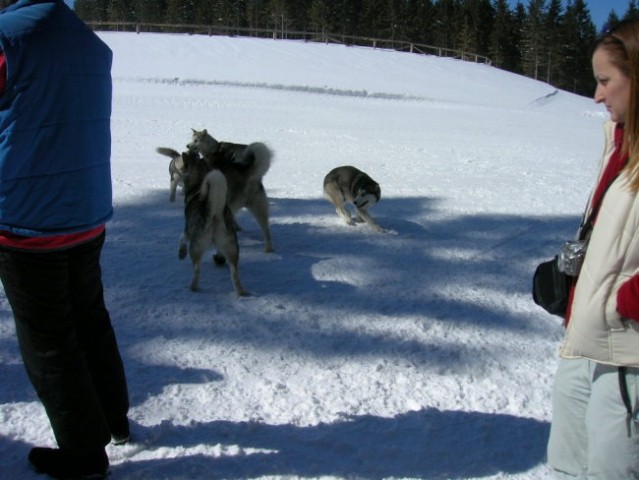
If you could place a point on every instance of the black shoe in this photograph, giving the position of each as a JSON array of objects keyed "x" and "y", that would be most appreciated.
[
  {"x": 62, "y": 465},
  {"x": 120, "y": 432}
]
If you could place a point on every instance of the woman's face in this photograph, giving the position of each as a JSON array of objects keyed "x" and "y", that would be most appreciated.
[{"x": 613, "y": 87}]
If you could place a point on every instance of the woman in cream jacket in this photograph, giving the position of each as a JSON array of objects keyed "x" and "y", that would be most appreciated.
[{"x": 595, "y": 426}]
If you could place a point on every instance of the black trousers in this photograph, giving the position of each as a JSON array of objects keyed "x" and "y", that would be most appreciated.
[{"x": 67, "y": 342}]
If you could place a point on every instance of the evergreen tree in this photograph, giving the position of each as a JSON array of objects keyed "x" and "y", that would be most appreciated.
[
  {"x": 374, "y": 20},
  {"x": 399, "y": 19},
  {"x": 396, "y": 23},
  {"x": 91, "y": 10},
  {"x": 210, "y": 12},
  {"x": 578, "y": 38},
  {"x": 320, "y": 16},
  {"x": 347, "y": 14},
  {"x": 447, "y": 23},
  {"x": 279, "y": 16},
  {"x": 534, "y": 39},
  {"x": 239, "y": 13},
  {"x": 519, "y": 20},
  {"x": 86, "y": 9},
  {"x": 553, "y": 29},
  {"x": 335, "y": 16},
  {"x": 504, "y": 49},
  {"x": 477, "y": 24},
  {"x": 632, "y": 12},
  {"x": 422, "y": 22},
  {"x": 610, "y": 22},
  {"x": 416, "y": 18},
  {"x": 180, "y": 12},
  {"x": 257, "y": 13},
  {"x": 299, "y": 14},
  {"x": 120, "y": 11},
  {"x": 229, "y": 13},
  {"x": 149, "y": 11}
]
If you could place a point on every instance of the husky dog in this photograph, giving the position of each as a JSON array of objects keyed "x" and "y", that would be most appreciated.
[
  {"x": 348, "y": 184},
  {"x": 244, "y": 167},
  {"x": 176, "y": 170},
  {"x": 204, "y": 143},
  {"x": 208, "y": 220}
]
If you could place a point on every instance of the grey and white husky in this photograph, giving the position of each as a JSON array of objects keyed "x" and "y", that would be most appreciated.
[
  {"x": 176, "y": 170},
  {"x": 349, "y": 184},
  {"x": 244, "y": 167},
  {"x": 208, "y": 220}
]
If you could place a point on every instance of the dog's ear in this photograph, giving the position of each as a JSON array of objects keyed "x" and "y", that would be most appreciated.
[{"x": 204, "y": 132}]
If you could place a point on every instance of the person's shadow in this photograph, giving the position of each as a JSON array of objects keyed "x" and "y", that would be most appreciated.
[{"x": 428, "y": 444}]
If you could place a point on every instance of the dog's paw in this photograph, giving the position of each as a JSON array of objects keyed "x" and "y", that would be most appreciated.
[
  {"x": 182, "y": 252},
  {"x": 219, "y": 259}
]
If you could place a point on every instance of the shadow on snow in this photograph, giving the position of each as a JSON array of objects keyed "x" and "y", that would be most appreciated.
[
  {"x": 413, "y": 273},
  {"x": 413, "y": 444}
]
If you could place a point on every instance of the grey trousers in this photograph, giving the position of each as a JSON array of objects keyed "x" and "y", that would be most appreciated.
[{"x": 591, "y": 436}]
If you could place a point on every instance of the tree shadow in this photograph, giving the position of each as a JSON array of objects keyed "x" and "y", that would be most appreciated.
[
  {"x": 410, "y": 273},
  {"x": 330, "y": 270}
]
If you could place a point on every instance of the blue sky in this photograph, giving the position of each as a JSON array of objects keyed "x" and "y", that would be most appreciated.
[{"x": 599, "y": 9}]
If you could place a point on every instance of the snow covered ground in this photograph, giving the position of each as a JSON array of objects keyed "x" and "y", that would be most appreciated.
[{"x": 416, "y": 353}]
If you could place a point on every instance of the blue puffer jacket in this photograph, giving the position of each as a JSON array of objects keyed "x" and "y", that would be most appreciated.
[{"x": 55, "y": 132}]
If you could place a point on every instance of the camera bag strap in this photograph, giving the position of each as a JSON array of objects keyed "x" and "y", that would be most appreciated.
[{"x": 586, "y": 225}]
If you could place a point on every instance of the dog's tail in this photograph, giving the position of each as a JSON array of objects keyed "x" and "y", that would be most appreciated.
[
  {"x": 257, "y": 157},
  {"x": 214, "y": 190},
  {"x": 169, "y": 152}
]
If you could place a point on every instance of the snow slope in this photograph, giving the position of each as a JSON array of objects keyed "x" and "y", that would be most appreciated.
[{"x": 417, "y": 353}]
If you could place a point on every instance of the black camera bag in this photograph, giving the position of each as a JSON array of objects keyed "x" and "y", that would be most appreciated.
[{"x": 551, "y": 288}]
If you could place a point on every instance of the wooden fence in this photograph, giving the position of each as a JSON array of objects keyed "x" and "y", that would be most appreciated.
[{"x": 291, "y": 35}]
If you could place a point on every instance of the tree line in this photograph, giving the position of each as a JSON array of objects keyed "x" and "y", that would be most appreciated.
[{"x": 542, "y": 39}]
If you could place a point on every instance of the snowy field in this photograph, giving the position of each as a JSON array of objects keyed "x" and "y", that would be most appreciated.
[{"x": 416, "y": 353}]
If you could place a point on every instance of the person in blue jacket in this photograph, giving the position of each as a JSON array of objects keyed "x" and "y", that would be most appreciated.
[{"x": 55, "y": 198}]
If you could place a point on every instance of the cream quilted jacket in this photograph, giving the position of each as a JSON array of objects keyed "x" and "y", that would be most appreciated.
[{"x": 596, "y": 331}]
